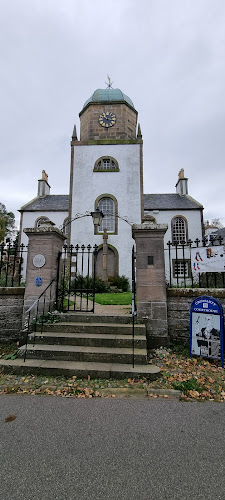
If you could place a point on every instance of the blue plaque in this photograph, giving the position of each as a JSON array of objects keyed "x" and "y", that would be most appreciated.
[
  {"x": 206, "y": 328},
  {"x": 38, "y": 281}
]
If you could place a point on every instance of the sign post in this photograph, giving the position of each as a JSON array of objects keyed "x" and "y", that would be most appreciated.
[{"x": 206, "y": 328}]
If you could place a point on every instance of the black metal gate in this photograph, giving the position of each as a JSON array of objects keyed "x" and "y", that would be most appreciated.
[{"x": 76, "y": 278}]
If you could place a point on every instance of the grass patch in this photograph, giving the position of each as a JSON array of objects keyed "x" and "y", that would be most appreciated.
[
  {"x": 118, "y": 299},
  {"x": 187, "y": 385}
]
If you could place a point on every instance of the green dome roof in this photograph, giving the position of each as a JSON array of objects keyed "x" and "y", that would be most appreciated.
[{"x": 108, "y": 95}]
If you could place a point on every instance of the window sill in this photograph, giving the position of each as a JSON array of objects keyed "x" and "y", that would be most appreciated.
[{"x": 106, "y": 169}]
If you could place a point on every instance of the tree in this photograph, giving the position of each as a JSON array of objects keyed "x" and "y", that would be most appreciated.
[
  {"x": 7, "y": 221},
  {"x": 216, "y": 222}
]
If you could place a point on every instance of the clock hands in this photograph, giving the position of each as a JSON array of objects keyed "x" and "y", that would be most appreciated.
[{"x": 107, "y": 119}]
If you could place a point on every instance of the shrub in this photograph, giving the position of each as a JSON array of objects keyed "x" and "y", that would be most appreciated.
[
  {"x": 121, "y": 282},
  {"x": 86, "y": 283}
]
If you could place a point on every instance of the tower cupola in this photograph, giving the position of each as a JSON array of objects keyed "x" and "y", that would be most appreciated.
[{"x": 108, "y": 114}]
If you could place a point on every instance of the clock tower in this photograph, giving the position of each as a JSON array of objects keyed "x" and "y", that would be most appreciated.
[{"x": 107, "y": 172}]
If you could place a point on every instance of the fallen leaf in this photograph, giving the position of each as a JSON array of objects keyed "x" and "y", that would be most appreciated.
[{"x": 10, "y": 418}]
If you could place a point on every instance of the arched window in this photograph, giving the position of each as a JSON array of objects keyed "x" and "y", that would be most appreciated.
[
  {"x": 66, "y": 226},
  {"x": 179, "y": 230},
  {"x": 66, "y": 229},
  {"x": 107, "y": 207},
  {"x": 40, "y": 220},
  {"x": 106, "y": 163}
]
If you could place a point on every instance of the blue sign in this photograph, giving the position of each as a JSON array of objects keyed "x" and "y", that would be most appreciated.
[
  {"x": 206, "y": 328},
  {"x": 38, "y": 281}
]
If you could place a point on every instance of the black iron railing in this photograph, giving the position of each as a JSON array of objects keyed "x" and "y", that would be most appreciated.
[
  {"x": 76, "y": 287},
  {"x": 41, "y": 306},
  {"x": 11, "y": 263},
  {"x": 134, "y": 308},
  {"x": 179, "y": 264}
]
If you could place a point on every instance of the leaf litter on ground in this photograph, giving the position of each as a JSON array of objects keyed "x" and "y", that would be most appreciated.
[{"x": 198, "y": 379}]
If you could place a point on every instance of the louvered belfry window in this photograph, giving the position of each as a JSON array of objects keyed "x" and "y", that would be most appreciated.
[{"x": 179, "y": 230}]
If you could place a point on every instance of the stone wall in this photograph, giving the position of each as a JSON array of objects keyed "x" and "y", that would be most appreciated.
[
  {"x": 11, "y": 312},
  {"x": 178, "y": 306}
]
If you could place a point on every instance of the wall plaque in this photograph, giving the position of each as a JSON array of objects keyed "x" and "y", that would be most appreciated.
[
  {"x": 39, "y": 260},
  {"x": 38, "y": 281}
]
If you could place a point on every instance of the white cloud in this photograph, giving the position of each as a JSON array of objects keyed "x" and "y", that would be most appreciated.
[{"x": 167, "y": 56}]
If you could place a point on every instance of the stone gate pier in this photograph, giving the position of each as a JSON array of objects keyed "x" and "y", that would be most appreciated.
[{"x": 150, "y": 281}]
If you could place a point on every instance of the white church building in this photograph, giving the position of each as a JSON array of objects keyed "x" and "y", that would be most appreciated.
[{"x": 107, "y": 173}]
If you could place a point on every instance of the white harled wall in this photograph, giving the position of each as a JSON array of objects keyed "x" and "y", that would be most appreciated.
[{"x": 123, "y": 185}]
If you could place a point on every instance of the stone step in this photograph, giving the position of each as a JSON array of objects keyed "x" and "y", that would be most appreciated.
[
  {"x": 112, "y": 328},
  {"x": 95, "y": 318},
  {"x": 89, "y": 339},
  {"x": 84, "y": 353},
  {"x": 80, "y": 369}
]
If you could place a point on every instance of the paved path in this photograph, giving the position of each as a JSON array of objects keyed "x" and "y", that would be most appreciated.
[
  {"x": 103, "y": 310},
  {"x": 66, "y": 449},
  {"x": 112, "y": 310}
]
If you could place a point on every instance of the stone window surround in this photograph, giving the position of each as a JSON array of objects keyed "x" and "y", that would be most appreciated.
[
  {"x": 107, "y": 195},
  {"x": 97, "y": 169},
  {"x": 185, "y": 225},
  {"x": 180, "y": 263}
]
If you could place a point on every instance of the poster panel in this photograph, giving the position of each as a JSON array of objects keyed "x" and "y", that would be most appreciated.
[
  {"x": 208, "y": 259},
  {"x": 206, "y": 332}
]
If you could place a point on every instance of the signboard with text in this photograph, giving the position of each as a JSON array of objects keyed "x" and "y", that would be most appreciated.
[{"x": 206, "y": 328}]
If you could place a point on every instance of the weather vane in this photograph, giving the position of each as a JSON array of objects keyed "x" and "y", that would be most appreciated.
[{"x": 109, "y": 83}]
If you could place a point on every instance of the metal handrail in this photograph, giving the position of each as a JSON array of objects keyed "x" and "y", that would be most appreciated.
[
  {"x": 36, "y": 302},
  {"x": 134, "y": 309}
]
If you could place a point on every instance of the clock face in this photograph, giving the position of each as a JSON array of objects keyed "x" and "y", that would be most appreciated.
[{"x": 107, "y": 119}]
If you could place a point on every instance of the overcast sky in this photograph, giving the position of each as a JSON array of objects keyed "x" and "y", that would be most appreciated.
[{"x": 168, "y": 56}]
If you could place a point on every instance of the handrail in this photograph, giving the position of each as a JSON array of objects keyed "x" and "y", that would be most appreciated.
[
  {"x": 29, "y": 311},
  {"x": 134, "y": 310},
  {"x": 35, "y": 302}
]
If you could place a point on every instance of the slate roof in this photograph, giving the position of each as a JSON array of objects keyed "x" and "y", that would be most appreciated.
[
  {"x": 54, "y": 202},
  {"x": 60, "y": 203},
  {"x": 170, "y": 202}
]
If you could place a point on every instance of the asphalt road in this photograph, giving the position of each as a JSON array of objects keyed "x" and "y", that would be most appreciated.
[{"x": 109, "y": 449}]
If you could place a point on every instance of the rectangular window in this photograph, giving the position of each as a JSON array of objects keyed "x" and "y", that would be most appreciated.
[{"x": 181, "y": 268}]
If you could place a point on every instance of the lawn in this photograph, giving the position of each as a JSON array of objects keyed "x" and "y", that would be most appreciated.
[
  {"x": 123, "y": 299},
  {"x": 118, "y": 299}
]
